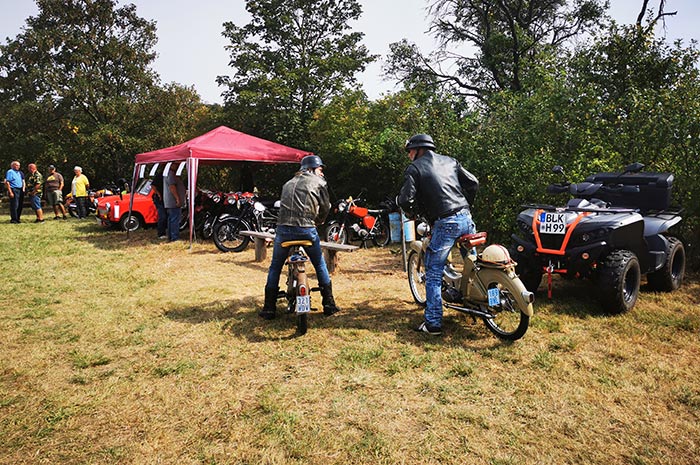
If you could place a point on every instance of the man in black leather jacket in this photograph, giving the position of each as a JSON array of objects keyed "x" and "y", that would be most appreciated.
[
  {"x": 305, "y": 203},
  {"x": 439, "y": 188}
]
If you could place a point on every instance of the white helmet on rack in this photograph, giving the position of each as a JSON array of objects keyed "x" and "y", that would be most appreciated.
[{"x": 496, "y": 254}]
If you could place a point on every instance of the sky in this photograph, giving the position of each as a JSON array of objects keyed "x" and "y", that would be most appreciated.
[{"x": 191, "y": 48}]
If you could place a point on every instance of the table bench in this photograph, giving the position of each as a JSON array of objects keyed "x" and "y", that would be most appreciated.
[{"x": 330, "y": 249}]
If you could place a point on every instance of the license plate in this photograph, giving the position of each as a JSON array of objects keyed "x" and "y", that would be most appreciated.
[
  {"x": 552, "y": 223},
  {"x": 494, "y": 297},
  {"x": 303, "y": 304}
]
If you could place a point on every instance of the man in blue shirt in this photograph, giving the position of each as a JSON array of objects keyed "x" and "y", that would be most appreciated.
[{"x": 14, "y": 182}]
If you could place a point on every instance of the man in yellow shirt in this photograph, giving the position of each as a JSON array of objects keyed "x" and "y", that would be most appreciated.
[{"x": 79, "y": 189}]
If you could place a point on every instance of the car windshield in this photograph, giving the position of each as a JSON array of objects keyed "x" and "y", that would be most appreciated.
[{"x": 144, "y": 187}]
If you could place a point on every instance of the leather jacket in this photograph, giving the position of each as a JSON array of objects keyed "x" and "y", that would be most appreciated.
[
  {"x": 305, "y": 201},
  {"x": 436, "y": 186}
]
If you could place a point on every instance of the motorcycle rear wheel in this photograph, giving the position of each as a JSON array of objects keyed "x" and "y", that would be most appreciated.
[
  {"x": 509, "y": 322},
  {"x": 416, "y": 277},
  {"x": 227, "y": 235},
  {"x": 382, "y": 235}
]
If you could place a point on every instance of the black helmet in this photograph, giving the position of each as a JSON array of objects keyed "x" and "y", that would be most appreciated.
[
  {"x": 420, "y": 140},
  {"x": 311, "y": 162}
]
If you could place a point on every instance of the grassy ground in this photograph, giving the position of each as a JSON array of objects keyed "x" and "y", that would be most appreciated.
[{"x": 136, "y": 351}]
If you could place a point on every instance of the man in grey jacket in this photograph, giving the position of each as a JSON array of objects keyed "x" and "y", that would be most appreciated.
[{"x": 305, "y": 203}]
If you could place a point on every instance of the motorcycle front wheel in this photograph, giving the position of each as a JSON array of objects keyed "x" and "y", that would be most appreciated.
[
  {"x": 508, "y": 322},
  {"x": 336, "y": 233},
  {"x": 416, "y": 277},
  {"x": 228, "y": 237}
]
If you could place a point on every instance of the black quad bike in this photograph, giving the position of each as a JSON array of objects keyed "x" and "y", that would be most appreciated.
[{"x": 615, "y": 229}]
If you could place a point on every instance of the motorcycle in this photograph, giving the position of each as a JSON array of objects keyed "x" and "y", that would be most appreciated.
[
  {"x": 487, "y": 286},
  {"x": 361, "y": 223},
  {"x": 111, "y": 189},
  {"x": 252, "y": 215}
]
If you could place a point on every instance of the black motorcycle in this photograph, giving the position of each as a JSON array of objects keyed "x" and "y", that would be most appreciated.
[{"x": 252, "y": 215}]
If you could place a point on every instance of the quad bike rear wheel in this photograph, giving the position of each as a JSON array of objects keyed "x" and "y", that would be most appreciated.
[
  {"x": 670, "y": 276},
  {"x": 619, "y": 277}
]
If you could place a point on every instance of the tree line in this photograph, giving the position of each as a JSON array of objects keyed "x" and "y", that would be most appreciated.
[{"x": 513, "y": 89}]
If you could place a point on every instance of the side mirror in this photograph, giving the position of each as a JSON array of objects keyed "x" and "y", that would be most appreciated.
[{"x": 634, "y": 168}]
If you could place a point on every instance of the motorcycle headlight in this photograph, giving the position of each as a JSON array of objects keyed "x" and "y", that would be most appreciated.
[
  {"x": 342, "y": 206},
  {"x": 423, "y": 229},
  {"x": 216, "y": 198},
  {"x": 259, "y": 207},
  {"x": 231, "y": 200}
]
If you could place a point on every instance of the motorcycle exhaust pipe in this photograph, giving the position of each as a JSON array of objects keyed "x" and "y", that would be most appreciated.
[{"x": 528, "y": 296}]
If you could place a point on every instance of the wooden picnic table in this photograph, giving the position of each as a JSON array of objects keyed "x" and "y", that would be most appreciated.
[{"x": 330, "y": 249}]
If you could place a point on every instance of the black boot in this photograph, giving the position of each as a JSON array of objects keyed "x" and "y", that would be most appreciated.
[
  {"x": 270, "y": 307},
  {"x": 329, "y": 307}
]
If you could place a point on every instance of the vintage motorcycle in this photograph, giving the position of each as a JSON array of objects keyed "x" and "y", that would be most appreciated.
[
  {"x": 358, "y": 222},
  {"x": 252, "y": 215},
  {"x": 486, "y": 287}
]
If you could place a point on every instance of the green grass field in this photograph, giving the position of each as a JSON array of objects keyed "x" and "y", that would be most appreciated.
[{"x": 118, "y": 351}]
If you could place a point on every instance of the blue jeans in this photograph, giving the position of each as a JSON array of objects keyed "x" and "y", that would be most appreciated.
[
  {"x": 16, "y": 204},
  {"x": 162, "y": 224},
  {"x": 279, "y": 254},
  {"x": 174, "y": 215},
  {"x": 445, "y": 233}
]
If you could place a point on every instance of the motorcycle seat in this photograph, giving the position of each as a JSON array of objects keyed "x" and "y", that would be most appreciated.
[
  {"x": 302, "y": 242},
  {"x": 472, "y": 240}
]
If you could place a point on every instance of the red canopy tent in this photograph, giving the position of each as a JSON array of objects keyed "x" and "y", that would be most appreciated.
[{"x": 217, "y": 146}]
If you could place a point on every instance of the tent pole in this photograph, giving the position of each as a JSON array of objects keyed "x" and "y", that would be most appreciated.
[{"x": 131, "y": 196}]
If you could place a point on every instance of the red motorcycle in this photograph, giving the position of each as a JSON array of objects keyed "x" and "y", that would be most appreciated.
[{"x": 358, "y": 223}]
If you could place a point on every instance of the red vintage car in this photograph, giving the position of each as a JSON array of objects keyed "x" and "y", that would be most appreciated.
[{"x": 113, "y": 210}]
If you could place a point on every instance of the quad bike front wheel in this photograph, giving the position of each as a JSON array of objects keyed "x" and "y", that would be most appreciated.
[
  {"x": 618, "y": 278},
  {"x": 529, "y": 272},
  {"x": 670, "y": 276},
  {"x": 508, "y": 322}
]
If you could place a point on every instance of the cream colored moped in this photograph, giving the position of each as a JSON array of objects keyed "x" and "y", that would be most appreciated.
[{"x": 486, "y": 287}]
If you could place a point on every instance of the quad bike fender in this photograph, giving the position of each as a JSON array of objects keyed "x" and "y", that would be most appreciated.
[
  {"x": 654, "y": 225},
  {"x": 522, "y": 296}
]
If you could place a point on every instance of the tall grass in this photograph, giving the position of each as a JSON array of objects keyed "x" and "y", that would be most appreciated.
[{"x": 119, "y": 351}]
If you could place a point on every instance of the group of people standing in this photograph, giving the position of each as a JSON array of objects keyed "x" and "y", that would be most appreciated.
[{"x": 34, "y": 186}]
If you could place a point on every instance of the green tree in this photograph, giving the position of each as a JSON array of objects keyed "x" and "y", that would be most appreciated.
[
  {"x": 76, "y": 88},
  {"x": 292, "y": 57},
  {"x": 487, "y": 46}
]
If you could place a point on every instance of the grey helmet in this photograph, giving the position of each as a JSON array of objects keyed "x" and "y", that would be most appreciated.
[
  {"x": 420, "y": 140},
  {"x": 311, "y": 162}
]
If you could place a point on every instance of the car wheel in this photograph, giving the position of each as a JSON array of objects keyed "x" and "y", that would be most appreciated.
[{"x": 130, "y": 223}]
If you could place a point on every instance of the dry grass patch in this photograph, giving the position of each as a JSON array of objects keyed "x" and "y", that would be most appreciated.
[{"x": 137, "y": 351}]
